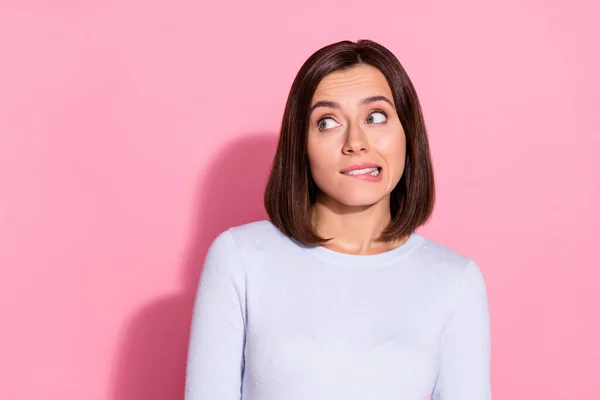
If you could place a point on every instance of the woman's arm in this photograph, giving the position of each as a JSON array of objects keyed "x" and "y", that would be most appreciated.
[
  {"x": 216, "y": 346},
  {"x": 464, "y": 369}
]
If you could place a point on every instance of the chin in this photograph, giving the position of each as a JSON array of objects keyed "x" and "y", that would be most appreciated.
[{"x": 359, "y": 199}]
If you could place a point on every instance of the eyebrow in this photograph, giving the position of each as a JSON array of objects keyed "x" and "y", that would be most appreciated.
[{"x": 366, "y": 100}]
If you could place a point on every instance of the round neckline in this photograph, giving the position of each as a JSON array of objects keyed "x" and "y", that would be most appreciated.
[{"x": 367, "y": 260}]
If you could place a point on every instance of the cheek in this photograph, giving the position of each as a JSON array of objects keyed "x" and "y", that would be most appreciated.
[
  {"x": 393, "y": 150},
  {"x": 320, "y": 157},
  {"x": 319, "y": 167}
]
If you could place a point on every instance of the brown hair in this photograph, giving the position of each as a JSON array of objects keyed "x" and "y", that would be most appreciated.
[{"x": 291, "y": 190}]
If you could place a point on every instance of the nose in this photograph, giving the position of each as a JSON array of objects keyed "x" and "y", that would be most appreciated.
[{"x": 356, "y": 140}]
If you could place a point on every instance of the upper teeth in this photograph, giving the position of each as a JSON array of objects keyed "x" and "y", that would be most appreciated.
[{"x": 372, "y": 171}]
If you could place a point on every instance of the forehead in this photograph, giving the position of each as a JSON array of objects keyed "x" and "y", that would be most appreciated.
[{"x": 355, "y": 82}]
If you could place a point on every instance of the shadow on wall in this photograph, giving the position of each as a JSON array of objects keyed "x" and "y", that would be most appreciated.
[{"x": 151, "y": 364}]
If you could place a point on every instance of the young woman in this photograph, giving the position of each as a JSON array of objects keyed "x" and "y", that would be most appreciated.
[{"x": 336, "y": 296}]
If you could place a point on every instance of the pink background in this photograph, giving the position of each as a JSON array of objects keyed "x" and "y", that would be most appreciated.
[{"x": 131, "y": 133}]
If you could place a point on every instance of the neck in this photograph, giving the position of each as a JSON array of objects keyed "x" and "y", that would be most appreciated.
[{"x": 353, "y": 230}]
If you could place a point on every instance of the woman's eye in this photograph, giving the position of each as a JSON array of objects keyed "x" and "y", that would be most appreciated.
[
  {"x": 376, "y": 117},
  {"x": 327, "y": 123}
]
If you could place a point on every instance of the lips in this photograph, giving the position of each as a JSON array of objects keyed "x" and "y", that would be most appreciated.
[{"x": 353, "y": 169}]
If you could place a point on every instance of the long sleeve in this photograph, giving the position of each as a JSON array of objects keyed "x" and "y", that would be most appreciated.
[
  {"x": 464, "y": 364},
  {"x": 215, "y": 356}
]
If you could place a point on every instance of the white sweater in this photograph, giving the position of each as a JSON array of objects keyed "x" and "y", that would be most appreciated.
[{"x": 276, "y": 320}]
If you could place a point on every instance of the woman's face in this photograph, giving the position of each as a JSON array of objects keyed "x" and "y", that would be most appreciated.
[{"x": 356, "y": 144}]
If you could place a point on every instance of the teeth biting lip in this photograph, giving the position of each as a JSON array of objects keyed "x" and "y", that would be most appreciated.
[
  {"x": 365, "y": 171},
  {"x": 364, "y": 166}
]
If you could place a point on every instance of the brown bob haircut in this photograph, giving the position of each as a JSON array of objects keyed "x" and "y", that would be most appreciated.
[{"x": 291, "y": 191}]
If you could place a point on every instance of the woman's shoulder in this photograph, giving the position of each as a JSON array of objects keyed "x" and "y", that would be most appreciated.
[
  {"x": 447, "y": 263},
  {"x": 237, "y": 242},
  {"x": 254, "y": 231},
  {"x": 254, "y": 234},
  {"x": 440, "y": 253}
]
